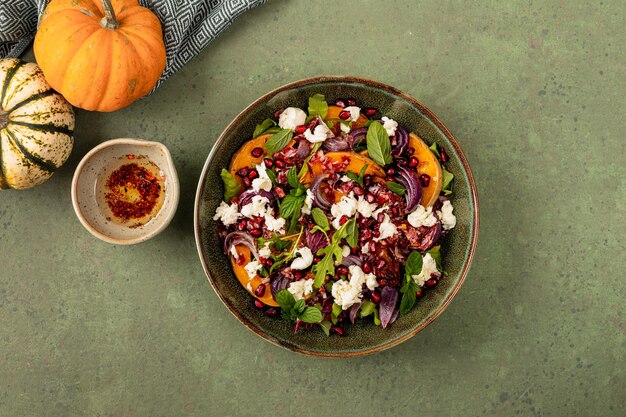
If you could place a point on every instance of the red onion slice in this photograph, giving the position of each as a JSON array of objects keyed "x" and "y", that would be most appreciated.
[
  {"x": 388, "y": 302},
  {"x": 319, "y": 200},
  {"x": 409, "y": 179},
  {"x": 400, "y": 141},
  {"x": 240, "y": 238}
]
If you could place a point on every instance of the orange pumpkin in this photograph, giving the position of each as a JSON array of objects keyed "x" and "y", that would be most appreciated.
[{"x": 100, "y": 54}]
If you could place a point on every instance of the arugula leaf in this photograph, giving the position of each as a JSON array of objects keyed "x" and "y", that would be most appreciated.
[
  {"x": 413, "y": 265},
  {"x": 331, "y": 253},
  {"x": 322, "y": 268},
  {"x": 435, "y": 252},
  {"x": 352, "y": 233},
  {"x": 291, "y": 204},
  {"x": 433, "y": 148},
  {"x": 318, "y": 106},
  {"x": 320, "y": 218},
  {"x": 367, "y": 308},
  {"x": 263, "y": 127},
  {"x": 231, "y": 186},
  {"x": 285, "y": 300},
  {"x": 378, "y": 144},
  {"x": 278, "y": 140},
  {"x": 447, "y": 180},
  {"x": 396, "y": 188},
  {"x": 311, "y": 315},
  {"x": 325, "y": 325}
]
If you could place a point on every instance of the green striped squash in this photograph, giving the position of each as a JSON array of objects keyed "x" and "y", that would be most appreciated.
[{"x": 36, "y": 126}]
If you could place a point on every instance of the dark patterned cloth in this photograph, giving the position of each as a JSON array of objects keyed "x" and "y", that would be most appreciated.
[{"x": 188, "y": 25}]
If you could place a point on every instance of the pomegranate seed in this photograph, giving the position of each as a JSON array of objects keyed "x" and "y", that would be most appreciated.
[
  {"x": 425, "y": 180},
  {"x": 279, "y": 164},
  {"x": 342, "y": 270},
  {"x": 431, "y": 282},
  {"x": 401, "y": 162},
  {"x": 375, "y": 297},
  {"x": 280, "y": 193},
  {"x": 367, "y": 180},
  {"x": 253, "y": 174},
  {"x": 258, "y": 304},
  {"x": 260, "y": 290},
  {"x": 256, "y": 152},
  {"x": 267, "y": 262},
  {"x": 268, "y": 163},
  {"x": 370, "y": 198},
  {"x": 256, "y": 232},
  {"x": 354, "y": 251},
  {"x": 317, "y": 259},
  {"x": 298, "y": 274},
  {"x": 443, "y": 155},
  {"x": 395, "y": 211},
  {"x": 243, "y": 172},
  {"x": 300, "y": 129},
  {"x": 358, "y": 190},
  {"x": 371, "y": 111},
  {"x": 373, "y": 246},
  {"x": 380, "y": 217},
  {"x": 340, "y": 103},
  {"x": 351, "y": 102},
  {"x": 247, "y": 182},
  {"x": 382, "y": 282},
  {"x": 376, "y": 234},
  {"x": 338, "y": 330},
  {"x": 413, "y": 162},
  {"x": 367, "y": 268},
  {"x": 390, "y": 172},
  {"x": 419, "y": 293},
  {"x": 271, "y": 312},
  {"x": 242, "y": 225},
  {"x": 343, "y": 220},
  {"x": 344, "y": 115},
  {"x": 381, "y": 264},
  {"x": 410, "y": 151}
]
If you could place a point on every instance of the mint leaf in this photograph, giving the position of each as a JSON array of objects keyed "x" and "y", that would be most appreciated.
[
  {"x": 352, "y": 233},
  {"x": 396, "y": 188},
  {"x": 413, "y": 265},
  {"x": 285, "y": 300},
  {"x": 299, "y": 307},
  {"x": 311, "y": 315},
  {"x": 272, "y": 176},
  {"x": 447, "y": 180},
  {"x": 320, "y": 218},
  {"x": 378, "y": 144},
  {"x": 292, "y": 177},
  {"x": 408, "y": 296},
  {"x": 278, "y": 140},
  {"x": 291, "y": 204},
  {"x": 318, "y": 106},
  {"x": 263, "y": 127},
  {"x": 231, "y": 186},
  {"x": 325, "y": 325}
]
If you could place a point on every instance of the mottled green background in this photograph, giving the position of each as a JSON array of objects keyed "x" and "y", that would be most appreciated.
[{"x": 535, "y": 93}]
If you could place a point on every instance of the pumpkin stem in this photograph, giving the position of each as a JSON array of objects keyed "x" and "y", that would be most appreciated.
[
  {"x": 4, "y": 119},
  {"x": 109, "y": 21}
]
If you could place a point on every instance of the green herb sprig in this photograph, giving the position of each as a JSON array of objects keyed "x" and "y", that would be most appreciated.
[
  {"x": 298, "y": 310},
  {"x": 332, "y": 253},
  {"x": 378, "y": 144},
  {"x": 413, "y": 266},
  {"x": 231, "y": 187}
]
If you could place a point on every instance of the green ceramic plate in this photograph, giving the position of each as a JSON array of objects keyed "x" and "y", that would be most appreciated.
[{"x": 363, "y": 338}]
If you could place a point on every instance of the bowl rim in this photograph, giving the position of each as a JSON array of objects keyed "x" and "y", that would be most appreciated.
[
  {"x": 433, "y": 118},
  {"x": 173, "y": 189}
]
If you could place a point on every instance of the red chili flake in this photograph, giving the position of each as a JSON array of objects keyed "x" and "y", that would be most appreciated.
[{"x": 133, "y": 177}]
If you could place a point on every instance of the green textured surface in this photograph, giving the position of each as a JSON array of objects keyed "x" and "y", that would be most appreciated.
[{"x": 534, "y": 92}]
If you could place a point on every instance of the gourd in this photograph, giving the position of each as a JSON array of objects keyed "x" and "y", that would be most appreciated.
[
  {"x": 36, "y": 126},
  {"x": 100, "y": 54},
  {"x": 429, "y": 165}
]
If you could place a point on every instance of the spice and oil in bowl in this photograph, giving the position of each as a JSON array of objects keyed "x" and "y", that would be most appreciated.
[{"x": 126, "y": 191}]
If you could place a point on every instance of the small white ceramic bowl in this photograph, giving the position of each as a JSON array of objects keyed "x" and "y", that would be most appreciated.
[{"x": 97, "y": 165}]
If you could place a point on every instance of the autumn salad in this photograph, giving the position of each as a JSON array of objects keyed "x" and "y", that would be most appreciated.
[{"x": 335, "y": 214}]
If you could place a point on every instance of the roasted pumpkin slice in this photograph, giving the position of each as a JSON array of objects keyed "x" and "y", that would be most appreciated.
[
  {"x": 250, "y": 284},
  {"x": 428, "y": 164},
  {"x": 243, "y": 157},
  {"x": 355, "y": 163}
]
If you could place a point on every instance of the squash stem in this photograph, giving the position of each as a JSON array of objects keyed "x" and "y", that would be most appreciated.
[
  {"x": 4, "y": 119},
  {"x": 109, "y": 21}
]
